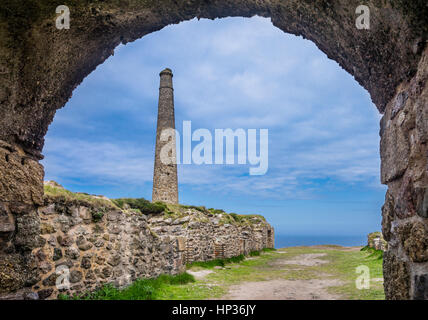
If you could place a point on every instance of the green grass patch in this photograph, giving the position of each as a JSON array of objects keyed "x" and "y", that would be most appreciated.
[
  {"x": 216, "y": 211},
  {"x": 58, "y": 193},
  {"x": 269, "y": 249},
  {"x": 198, "y": 208},
  {"x": 373, "y": 253},
  {"x": 216, "y": 262},
  {"x": 176, "y": 211},
  {"x": 254, "y": 253},
  {"x": 199, "y": 290},
  {"x": 343, "y": 266},
  {"x": 141, "y": 204},
  {"x": 340, "y": 264},
  {"x": 142, "y": 289},
  {"x": 259, "y": 268},
  {"x": 97, "y": 215}
]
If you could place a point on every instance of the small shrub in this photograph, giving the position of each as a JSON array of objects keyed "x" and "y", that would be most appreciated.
[
  {"x": 206, "y": 264},
  {"x": 254, "y": 253},
  {"x": 216, "y": 262},
  {"x": 181, "y": 278},
  {"x": 236, "y": 217},
  {"x": 200, "y": 208},
  {"x": 216, "y": 211},
  {"x": 145, "y": 206},
  {"x": 268, "y": 249},
  {"x": 236, "y": 259},
  {"x": 97, "y": 215},
  {"x": 373, "y": 253},
  {"x": 257, "y": 216}
]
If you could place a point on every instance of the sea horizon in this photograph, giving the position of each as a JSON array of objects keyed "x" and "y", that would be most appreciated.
[{"x": 283, "y": 240}]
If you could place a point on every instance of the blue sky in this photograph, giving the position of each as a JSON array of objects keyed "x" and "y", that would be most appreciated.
[{"x": 323, "y": 176}]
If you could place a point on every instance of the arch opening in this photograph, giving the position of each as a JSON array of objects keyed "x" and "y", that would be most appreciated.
[
  {"x": 103, "y": 141},
  {"x": 267, "y": 80}
]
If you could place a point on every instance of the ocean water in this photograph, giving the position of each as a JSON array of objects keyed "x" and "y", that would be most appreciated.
[{"x": 282, "y": 241}]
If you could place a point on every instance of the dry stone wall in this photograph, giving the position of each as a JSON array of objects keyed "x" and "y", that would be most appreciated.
[
  {"x": 91, "y": 244},
  {"x": 208, "y": 236},
  {"x": 404, "y": 155}
]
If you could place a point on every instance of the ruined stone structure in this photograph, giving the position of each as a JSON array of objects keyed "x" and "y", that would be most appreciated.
[
  {"x": 376, "y": 241},
  {"x": 165, "y": 185},
  {"x": 92, "y": 242},
  {"x": 40, "y": 66}
]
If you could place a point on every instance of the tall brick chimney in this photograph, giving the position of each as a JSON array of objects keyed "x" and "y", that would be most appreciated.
[{"x": 165, "y": 182}]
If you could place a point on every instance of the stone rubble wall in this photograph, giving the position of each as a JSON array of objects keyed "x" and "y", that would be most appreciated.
[
  {"x": 404, "y": 168},
  {"x": 205, "y": 238},
  {"x": 124, "y": 245},
  {"x": 376, "y": 241},
  {"x": 21, "y": 193}
]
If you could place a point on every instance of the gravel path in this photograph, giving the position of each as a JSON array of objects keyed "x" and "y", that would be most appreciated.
[
  {"x": 283, "y": 290},
  {"x": 280, "y": 289}
]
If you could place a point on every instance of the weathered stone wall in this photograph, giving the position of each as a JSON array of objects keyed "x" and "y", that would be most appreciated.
[
  {"x": 21, "y": 192},
  {"x": 93, "y": 244},
  {"x": 404, "y": 154},
  {"x": 117, "y": 249},
  {"x": 205, "y": 237}
]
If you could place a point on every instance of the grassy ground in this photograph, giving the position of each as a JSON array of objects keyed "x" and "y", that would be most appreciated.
[
  {"x": 341, "y": 264},
  {"x": 344, "y": 266},
  {"x": 142, "y": 289}
]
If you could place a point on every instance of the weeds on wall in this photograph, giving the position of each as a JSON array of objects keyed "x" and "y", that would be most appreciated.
[
  {"x": 141, "y": 204},
  {"x": 373, "y": 253}
]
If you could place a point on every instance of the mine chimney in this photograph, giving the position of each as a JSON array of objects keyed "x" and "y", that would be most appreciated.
[{"x": 165, "y": 182}]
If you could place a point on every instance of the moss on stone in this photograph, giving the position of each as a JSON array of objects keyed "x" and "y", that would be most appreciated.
[
  {"x": 55, "y": 192},
  {"x": 143, "y": 205},
  {"x": 97, "y": 215},
  {"x": 153, "y": 234}
]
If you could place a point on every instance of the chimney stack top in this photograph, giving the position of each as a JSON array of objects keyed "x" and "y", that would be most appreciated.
[{"x": 167, "y": 71}]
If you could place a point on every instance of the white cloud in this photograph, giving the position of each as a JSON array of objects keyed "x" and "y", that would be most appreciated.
[
  {"x": 98, "y": 161},
  {"x": 231, "y": 73}
]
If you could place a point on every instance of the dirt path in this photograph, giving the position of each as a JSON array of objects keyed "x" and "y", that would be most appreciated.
[
  {"x": 308, "y": 259},
  {"x": 283, "y": 290},
  {"x": 280, "y": 289},
  {"x": 201, "y": 274}
]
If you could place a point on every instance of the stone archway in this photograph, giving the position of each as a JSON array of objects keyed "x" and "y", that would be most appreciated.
[{"x": 40, "y": 66}]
